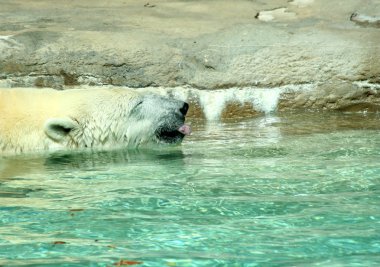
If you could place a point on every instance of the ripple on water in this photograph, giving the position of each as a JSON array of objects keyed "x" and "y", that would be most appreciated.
[{"x": 271, "y": 191}]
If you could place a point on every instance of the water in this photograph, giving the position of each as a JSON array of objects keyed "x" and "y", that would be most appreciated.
[{"x": 275, "y": 190}]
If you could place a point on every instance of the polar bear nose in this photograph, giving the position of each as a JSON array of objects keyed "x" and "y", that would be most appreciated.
[{"x": 184, "y": 108}]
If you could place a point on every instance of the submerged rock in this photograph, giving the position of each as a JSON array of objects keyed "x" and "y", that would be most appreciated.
[{"x": 202, "y": 44}]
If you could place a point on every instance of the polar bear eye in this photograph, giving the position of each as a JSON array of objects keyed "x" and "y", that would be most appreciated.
[
  {"x": 139, "y": 103},
  {"x": 137, "y": 107}
]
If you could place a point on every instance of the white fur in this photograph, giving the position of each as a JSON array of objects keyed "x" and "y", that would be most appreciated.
[{"x": 46, "y": 119}]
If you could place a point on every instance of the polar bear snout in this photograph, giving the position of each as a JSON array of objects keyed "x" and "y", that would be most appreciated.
[{"x": 171, "y": 121}]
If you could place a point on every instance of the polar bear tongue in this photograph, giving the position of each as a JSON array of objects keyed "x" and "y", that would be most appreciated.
[{"x": 185, "y": 129}]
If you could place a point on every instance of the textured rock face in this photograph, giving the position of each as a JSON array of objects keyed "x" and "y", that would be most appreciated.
[{"x": 203, "y": 44}]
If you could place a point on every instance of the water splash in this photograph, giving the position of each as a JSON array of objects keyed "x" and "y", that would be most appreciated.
[{"x": 213, "y": 103}]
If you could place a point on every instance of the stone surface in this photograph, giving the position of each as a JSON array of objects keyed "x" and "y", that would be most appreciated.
[{"x": 203, "y": 44}]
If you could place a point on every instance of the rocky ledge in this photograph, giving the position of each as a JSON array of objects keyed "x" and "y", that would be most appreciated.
[{"x": 332, "y": 46}]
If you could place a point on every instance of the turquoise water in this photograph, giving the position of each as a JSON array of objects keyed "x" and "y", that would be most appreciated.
[{"x": 286, "y": 190}]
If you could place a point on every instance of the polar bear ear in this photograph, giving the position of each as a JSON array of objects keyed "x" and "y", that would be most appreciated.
[{"x": 58, "y": 128}]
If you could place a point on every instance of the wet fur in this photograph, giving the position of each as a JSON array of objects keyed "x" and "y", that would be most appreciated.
[{"x": 96, "y": 118}]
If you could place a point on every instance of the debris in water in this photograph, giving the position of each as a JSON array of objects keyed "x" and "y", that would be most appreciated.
[
  {"x": 127, "y": 262},
  {"x": 75, "y": 210},
  {"x": 59, "y": 242}
]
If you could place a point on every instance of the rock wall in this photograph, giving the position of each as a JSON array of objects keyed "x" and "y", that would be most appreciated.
[{"x": 332, "y": 45}]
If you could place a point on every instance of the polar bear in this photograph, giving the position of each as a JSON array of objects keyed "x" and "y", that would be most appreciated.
[{"x": 48, "y": 119}]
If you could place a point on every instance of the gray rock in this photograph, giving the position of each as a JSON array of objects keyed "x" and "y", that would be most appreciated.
[{"x": 203, "y": 44}]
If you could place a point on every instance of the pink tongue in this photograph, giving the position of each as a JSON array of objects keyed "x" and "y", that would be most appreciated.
[{"x": 185, "y": 129}]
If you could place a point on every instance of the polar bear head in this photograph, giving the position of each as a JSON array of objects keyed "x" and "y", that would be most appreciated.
[{"x": 88, "y": 118}]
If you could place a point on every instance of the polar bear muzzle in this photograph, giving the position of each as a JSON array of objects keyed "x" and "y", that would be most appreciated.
[{"x": 174, "y": 129}]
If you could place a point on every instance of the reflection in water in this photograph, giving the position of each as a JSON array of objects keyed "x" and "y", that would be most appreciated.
[
  {"x": 93, "y": 159},
  {"x": 26, "y": 167}
]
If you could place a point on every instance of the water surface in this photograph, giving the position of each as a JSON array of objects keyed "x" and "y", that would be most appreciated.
[{"x": 286, "y": 190}]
